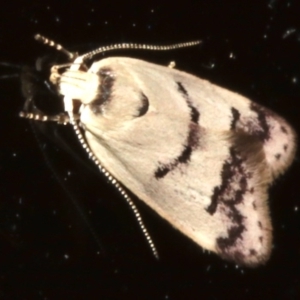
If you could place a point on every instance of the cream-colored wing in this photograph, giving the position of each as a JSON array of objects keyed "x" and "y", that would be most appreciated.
[{"x": 202, "y": 157}]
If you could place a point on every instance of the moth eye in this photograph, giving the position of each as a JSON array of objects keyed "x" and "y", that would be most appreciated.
[{"x": 142, "y": 110}]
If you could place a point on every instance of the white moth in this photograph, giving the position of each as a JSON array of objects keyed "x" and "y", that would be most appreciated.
[{"x": 201, "y": 156}]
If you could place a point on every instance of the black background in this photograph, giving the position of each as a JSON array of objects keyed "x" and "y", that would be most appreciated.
[{"x": 79, "y": 240}]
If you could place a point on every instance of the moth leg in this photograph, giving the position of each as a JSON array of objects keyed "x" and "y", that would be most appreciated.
[
  {"x": 172, "y": 64},
  {"x": 61, "y": 118},
  {"x": 12, "y": 66}
]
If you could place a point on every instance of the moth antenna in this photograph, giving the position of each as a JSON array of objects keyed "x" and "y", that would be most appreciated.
[
  {"x": 51, "y": 43},
  {"x": 117, "y": 185},
  {"x": 134, "y": 46}
]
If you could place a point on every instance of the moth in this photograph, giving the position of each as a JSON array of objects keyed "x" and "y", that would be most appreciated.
[{"x": 199, "y": 155}]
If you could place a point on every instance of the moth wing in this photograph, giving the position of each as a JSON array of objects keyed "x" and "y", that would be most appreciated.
[
  {"x": 202, "y": 157},
  {"x": 217, "y": 198}
]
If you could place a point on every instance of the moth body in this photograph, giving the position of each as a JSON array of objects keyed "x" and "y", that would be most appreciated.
[{"x": 201, "y": 156}]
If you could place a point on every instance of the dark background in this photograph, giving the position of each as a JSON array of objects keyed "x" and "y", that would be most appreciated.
[{"x": 64, "y": 232}]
